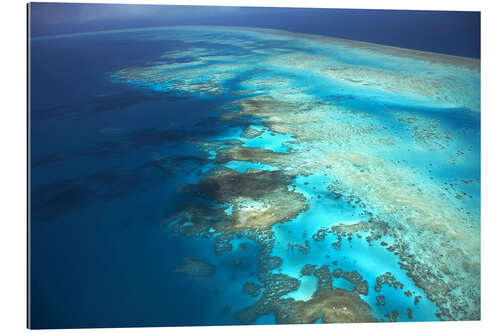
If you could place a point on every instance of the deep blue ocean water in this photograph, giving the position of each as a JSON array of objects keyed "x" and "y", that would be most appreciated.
[
  {"x": 99, "y": 256},
  {"x": 450, "y": 32}
]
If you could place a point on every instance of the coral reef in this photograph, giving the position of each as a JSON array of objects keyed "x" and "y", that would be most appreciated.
[
  {"x": 259, "y": 199},
  {"x": 332, "y": 306},
  {"x": 195, "y": 268},
  {"x": 389, "y": 280},
  {"x": 252, "y": 289},
  {"x": 428, "y": 134},
  {"x": 250, "y": 132},
  {"x": 372, "y": 153}
]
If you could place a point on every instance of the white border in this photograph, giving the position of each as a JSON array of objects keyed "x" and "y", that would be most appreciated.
[{"x": 13, "y": 165}]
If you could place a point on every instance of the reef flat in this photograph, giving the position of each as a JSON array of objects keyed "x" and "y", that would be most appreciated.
[{"x": 355, "y": 167}]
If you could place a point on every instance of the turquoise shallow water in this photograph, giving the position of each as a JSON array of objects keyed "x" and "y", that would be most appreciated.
[
  {"x": 369, "y": 260},
  {"x": 358, "y": 135}
]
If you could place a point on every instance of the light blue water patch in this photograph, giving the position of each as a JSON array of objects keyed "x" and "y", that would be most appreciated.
[
  {"x": 325, "y": 210},
  {"x": 370, "y": 262},
  {"x": 242, "y": 166},
  {"x": 308, "y": 285},
  {"x": 229, "y": 210},
  {"x": 276, "y": 142},
  {"x": 212, "y": 154},
  {"x": 342, "y": 283},
  {"x": 375, "y": 260},
  {"x": 357, "y": 254},
  {"x": 322, "y": 87}
]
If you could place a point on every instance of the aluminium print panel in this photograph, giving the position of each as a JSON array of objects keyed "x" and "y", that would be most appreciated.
[{"x": 185, "y": 169}]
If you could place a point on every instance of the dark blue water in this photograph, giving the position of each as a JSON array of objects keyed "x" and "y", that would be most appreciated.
[
  {"x": 450, "y": 32},
  {"x": 99, "y": 191}
]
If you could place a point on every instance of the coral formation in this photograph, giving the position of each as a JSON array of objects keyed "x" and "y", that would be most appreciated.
[
  {"x": 377, "y": 158},
  {"x": 331, "y": 305},
  {"x": 195, "y": 268}
]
